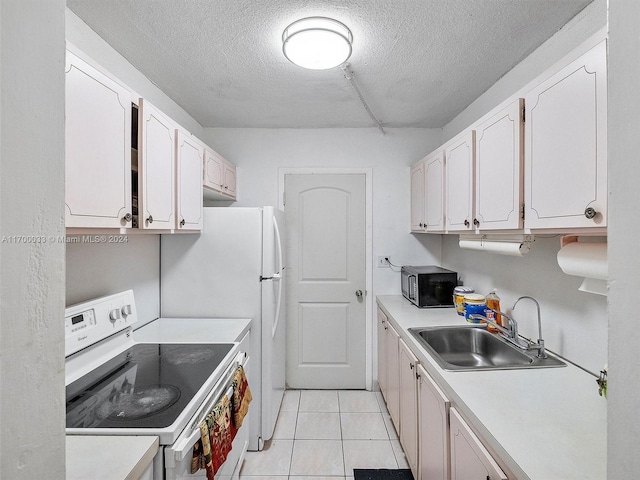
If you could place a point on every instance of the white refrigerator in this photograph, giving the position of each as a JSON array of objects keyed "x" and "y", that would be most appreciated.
[{"x": 235, "y": 268}]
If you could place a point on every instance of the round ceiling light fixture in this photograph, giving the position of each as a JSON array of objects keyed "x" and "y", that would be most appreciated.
[{"x": 317, "y": 43}]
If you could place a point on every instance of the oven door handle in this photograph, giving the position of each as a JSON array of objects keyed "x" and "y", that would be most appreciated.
[{"x": 184, "y": 443}]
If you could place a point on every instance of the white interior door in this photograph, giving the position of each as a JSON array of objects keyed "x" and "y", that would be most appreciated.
[{"x": 326, "y": 339}]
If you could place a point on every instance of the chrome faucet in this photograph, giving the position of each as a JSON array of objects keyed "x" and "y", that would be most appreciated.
[
  {"x": 510, "y": 333},
  {"x": 540, "y": 344}
]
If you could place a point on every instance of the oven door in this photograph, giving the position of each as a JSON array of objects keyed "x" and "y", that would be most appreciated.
[{"x": 177, "y": 457}]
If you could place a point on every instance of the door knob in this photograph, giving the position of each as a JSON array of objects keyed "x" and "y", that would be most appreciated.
[
  {"x": 590, "y": 212},
  {"x": 150, "y": 219},
  {"x": 359, "y": 293}
]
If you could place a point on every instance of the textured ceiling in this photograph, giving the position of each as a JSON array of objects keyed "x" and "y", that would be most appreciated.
[{"x": 418, "y": 63}]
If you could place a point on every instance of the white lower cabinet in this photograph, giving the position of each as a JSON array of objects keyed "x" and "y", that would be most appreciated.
[
  {"x": 409, "y": 406},
  {"x": 433, "y": 429},
  {"x": 469, "y": 458},
  {"x": 393, "y": 379},
  {"x": 437, "y": 442},
  {"x": 382, "y": 358}
]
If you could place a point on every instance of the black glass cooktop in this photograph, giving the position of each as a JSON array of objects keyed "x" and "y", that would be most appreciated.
[{"x": 147, "y": 386}]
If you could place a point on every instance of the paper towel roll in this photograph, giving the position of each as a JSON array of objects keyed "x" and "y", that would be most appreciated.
[
  {"x": 584, "y": 259},
  {"x": 516, "y": 249}
]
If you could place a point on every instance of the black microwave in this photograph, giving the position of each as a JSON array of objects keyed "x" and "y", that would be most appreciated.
[{"x": 428, "y": 286}]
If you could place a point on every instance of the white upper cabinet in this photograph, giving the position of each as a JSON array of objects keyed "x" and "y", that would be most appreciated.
[
  {"x": 499, "y": 163},
  {"x": 156, "y": 169},
  {"x": 459, "y": 181},
  {"x": 189, "y": 158},
  {"x": 219, "y": 177},
  {"x": 566, "y": 146},
  {"x": 417, "y": 197},
  {"x": 98, "y": 148},
  {"x": 434, "y": 192},
  {"x": 230, "y": 179}
]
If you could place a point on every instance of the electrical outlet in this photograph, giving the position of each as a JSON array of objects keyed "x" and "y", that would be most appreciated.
[{"x": 382, "y": 261}]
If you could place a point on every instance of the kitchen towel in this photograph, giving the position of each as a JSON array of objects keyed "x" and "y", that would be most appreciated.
[
  {"x": 217, "y": 432},
  {"x": 241, "y": 396}
]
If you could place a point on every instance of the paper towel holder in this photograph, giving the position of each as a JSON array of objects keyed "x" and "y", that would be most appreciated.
[
  {"x": 503, "y": 244},
  {"x": 595, "y": 280}
]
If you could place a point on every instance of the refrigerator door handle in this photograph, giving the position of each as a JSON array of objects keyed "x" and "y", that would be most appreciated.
[{"x": 277, "y": 277}]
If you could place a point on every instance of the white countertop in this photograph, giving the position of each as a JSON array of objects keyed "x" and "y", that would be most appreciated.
[
  {"x": 108, "y": 457},
  {"x": 544, "y": 424},
  {"x": 193, "y": 330}
]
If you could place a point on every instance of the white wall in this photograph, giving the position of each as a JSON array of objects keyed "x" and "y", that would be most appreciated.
[
  {"x": 259, "y": 153},
  {"x": 101, "y": 269},
  {"x": 31, "y": 207},
  {"x": 624, "y": 230}
]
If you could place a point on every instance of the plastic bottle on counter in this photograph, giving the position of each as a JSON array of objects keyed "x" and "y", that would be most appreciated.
[{"x": 493, "y": 303}]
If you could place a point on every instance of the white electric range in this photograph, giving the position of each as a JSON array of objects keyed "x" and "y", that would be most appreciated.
[{"x": 161, "y": 380}]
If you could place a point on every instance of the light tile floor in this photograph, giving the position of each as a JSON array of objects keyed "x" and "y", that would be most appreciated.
[{"x": 324, "y": 435}]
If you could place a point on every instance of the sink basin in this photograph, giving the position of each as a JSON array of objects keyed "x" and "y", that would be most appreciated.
[{"x": 473, "y": 348}]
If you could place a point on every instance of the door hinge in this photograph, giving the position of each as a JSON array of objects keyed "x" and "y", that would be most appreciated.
[
  {"x": 522, "y": 211},
  {"x": 284, "y": 198},
  {"x": 524, "y": 116}
]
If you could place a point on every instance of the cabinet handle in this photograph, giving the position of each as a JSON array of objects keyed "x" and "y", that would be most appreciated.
[
  {"x": 466, "y": 223},
  {"x": 590, "y": 212},
  {"x": 127, "y": 217},
  {"x": 182, "y": 222},
  {"x": 150, "y": 219},
  {"x": 476, "y": 222}
]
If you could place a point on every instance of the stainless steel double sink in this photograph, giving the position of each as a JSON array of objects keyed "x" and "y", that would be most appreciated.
[{"x": 467, "y": 347}]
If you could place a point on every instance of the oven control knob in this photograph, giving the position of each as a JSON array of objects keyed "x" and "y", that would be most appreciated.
[
  {"x": 126, "y": 311},
  {"x": 114, "y": 315}
]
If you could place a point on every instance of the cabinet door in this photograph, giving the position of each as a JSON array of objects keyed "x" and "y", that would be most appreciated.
[
  {"x": 499, "y": 158},
  {"x": 382, "y": 359},
  {"x": 566, "y": 146},
  {"x": 434, "y": 192},
  {"x": 433, "y": 429},
  {"x": 393, "y": 375},
  {"x": 230, "y": 179},
  {"x": 213, "y": 171},
  {"x": 156, "y": 169},
  {"x": 409, "y": 406},
  {"x": 98, "y": 148},
  {"x": 189, "y": 159},
  {"x": 417, "y": 197},
  {"x": 459, "y": 181},
  {"x": 469, "y": 458}
]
